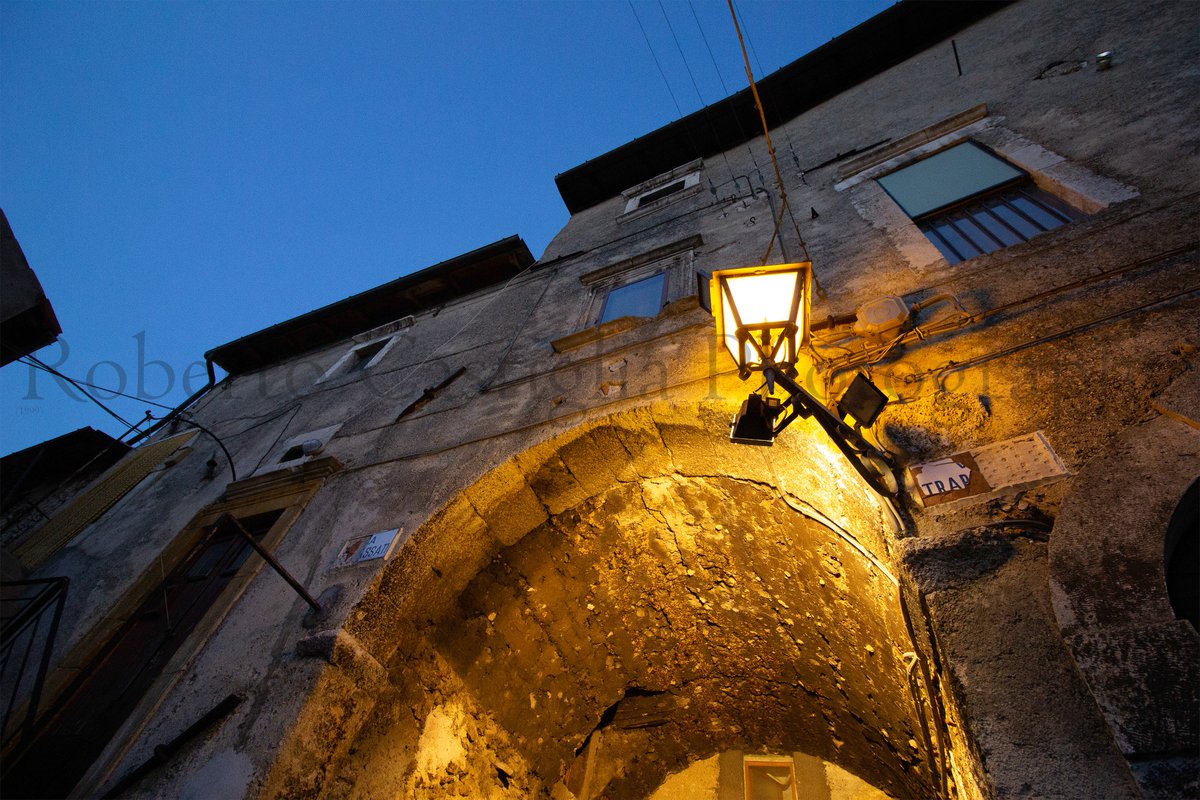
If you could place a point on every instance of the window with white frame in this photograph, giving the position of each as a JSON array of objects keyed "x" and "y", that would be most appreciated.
[
  {"x": 968, "y": 201},
  {"x": 359, "y": 358},
  {"x": 661, "y": 190}
]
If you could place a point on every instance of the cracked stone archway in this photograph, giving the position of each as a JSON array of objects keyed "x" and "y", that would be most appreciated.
[{"x": 637, "y": 588}]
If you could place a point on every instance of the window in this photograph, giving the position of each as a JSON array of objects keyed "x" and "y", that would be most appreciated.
[
  {"x": 969, "y": 202},
  {"x": 633, "y": 290},
  {"x": 769, "y": 778},
  {"x": 300, "y": 449},
  {"x": 643, "y": 298},
  {"x": 361, "y": 357},
  {"x": 650, "y": 197},
  {"x": 683, "y": 181}
]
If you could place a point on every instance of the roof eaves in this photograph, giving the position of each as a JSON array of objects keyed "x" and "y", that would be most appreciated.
[{"x": 879, "y": 43}]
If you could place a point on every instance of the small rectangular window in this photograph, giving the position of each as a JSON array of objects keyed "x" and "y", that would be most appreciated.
[
  {"x": 677, "y": 183},
  {"x": 363, "y": 355},
  {"x": 359, "y": 358},
  {"x": 650, "y": 197},
  {"x": 644, "y": 298},
  {"x": 770, "y": 778}
]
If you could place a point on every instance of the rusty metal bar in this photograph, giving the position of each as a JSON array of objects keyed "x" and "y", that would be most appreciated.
[
  {"x": 275, "y": 565},
  {"x": 164, "y": 752}
]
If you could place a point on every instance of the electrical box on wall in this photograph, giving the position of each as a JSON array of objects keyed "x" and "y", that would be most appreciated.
[{"x": 882, "y": 318}]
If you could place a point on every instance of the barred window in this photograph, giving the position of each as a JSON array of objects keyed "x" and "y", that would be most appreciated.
[{"x": 968, "y": 202}]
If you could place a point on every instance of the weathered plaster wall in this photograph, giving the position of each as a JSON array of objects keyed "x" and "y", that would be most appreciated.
[{"x": 527, "y": 435}]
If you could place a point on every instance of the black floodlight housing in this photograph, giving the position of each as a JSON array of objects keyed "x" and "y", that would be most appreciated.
[
  {"x": 755, "y": 422},
  {"x": 863, "y": 401}
]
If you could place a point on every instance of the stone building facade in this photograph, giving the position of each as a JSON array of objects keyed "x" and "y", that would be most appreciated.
[{"x": 542, "y": 568}]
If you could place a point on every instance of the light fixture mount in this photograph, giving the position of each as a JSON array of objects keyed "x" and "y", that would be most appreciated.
[{"x": 762, "y": 318}]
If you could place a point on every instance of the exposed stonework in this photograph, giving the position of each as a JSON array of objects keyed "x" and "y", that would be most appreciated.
[{"x": 561, "y": 466}]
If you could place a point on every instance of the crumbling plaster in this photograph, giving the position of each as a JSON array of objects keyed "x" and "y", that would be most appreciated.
[{"x": 526, "y": 435}]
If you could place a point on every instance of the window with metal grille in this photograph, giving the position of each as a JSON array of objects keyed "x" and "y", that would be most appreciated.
[{"x": 969, "y": 202}]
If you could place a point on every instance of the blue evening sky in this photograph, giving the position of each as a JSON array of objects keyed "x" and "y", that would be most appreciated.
[{"x": 181, "y": 174}]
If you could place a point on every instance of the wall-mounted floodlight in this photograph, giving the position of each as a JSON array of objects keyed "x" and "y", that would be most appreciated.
[
  {"x": 762, "y": 319},
  {"x": 863, "y": 401},
  {"x": 755, "y": 422}
]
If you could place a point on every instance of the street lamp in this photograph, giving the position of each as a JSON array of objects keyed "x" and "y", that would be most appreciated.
[
  {"x": 762, "y": 319},
  {"x": 760, "y": 312}
]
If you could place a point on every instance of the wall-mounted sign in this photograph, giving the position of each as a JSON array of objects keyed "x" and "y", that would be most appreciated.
[
  {"x": 949, "y": 479},
  {"x": 988, "y": 471},
  {"x": 368, "y": 548}
]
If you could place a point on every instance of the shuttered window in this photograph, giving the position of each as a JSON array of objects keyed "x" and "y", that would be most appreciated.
[{"x": 968, "y": 202}]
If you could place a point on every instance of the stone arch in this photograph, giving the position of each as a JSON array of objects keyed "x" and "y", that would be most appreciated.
[
  {"x": 1109, "y": 587},
  {"x": 641, "y": 579}
]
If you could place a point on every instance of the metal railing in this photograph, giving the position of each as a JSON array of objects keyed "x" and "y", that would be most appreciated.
[{"x": 30, "y": 612}]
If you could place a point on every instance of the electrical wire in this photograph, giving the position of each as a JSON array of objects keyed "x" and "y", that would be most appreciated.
[
  {"x": 78, "y": 382},
  {"x": 767, "y": 135},
  {"x": 655, "y": 57},
  {"x": 32, "y": 361},
  {"x": 696, "y": 86},
  {"x": 951, "y": 367},
  {"x": 213, "y": 436},
  {"x": 725, "y": 88},
  {"x": 761, "y": 71},
  {"x": 830, "y": 339},
  {"x": 450, "y": 339}
]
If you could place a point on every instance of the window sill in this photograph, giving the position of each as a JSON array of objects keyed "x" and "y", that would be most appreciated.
[{"x": 620, "y": 325}]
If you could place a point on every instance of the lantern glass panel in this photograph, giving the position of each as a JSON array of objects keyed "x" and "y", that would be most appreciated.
[{"x": 764, "y": 298}]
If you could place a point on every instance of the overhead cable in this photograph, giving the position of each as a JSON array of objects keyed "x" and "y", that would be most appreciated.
[
  {"x": 655, "y": 57},
  {"x": 767, "y": 135},
  {"x": 77, "y": 382},
  {"x": 33, "y": 361},
  {"x": 725, "y": 88},
  {"x": 696, "y": 86}
]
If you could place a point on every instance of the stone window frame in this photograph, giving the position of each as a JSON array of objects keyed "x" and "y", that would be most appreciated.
[
  {"x": 1048, "y": 171},
  {"x": 278, "y": 457},
  {"x": 676, "y": 261},
  {"x": 985, "y": 203},
  {"x": 689, "y": 173},
  {"x": 287, "y": 492}
]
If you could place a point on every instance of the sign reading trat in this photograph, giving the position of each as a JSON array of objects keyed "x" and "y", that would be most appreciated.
[{"x": 949, "y": 479}]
